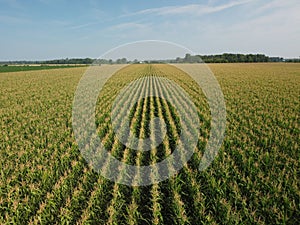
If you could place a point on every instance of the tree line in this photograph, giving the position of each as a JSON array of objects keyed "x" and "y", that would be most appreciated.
[
  {"x": 227, "y": 58},
  {"x": 188, "y": 58}
]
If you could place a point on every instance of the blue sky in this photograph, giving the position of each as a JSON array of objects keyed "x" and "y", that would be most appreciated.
[{"x": 47, "y": 29}]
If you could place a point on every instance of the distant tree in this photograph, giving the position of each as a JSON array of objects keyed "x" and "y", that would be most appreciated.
[
  {"x": 123, "y": 60},
  {"x": 187, "y": 58}
]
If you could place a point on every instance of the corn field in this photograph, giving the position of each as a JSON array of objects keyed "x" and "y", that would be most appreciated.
[{"x": 253, "y": 180}]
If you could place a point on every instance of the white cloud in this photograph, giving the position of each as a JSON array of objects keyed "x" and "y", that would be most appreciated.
[
  {"x": 277, "y": 4},
  {"x": 272, "y": 28},
  {"x": 195, "y": 9}
]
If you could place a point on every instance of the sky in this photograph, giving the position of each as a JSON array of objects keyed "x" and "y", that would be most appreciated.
[{"x": 50, "y": 29}]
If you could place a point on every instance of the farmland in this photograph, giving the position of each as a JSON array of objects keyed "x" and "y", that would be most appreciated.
[
  {"x": 253, "y": 180},
  {"x": 13, "y": 68}
]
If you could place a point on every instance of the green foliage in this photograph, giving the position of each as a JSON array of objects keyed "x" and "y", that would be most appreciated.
[
  {"x": 8, "y": 68},
  {"x": 227, "y": 58}
]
